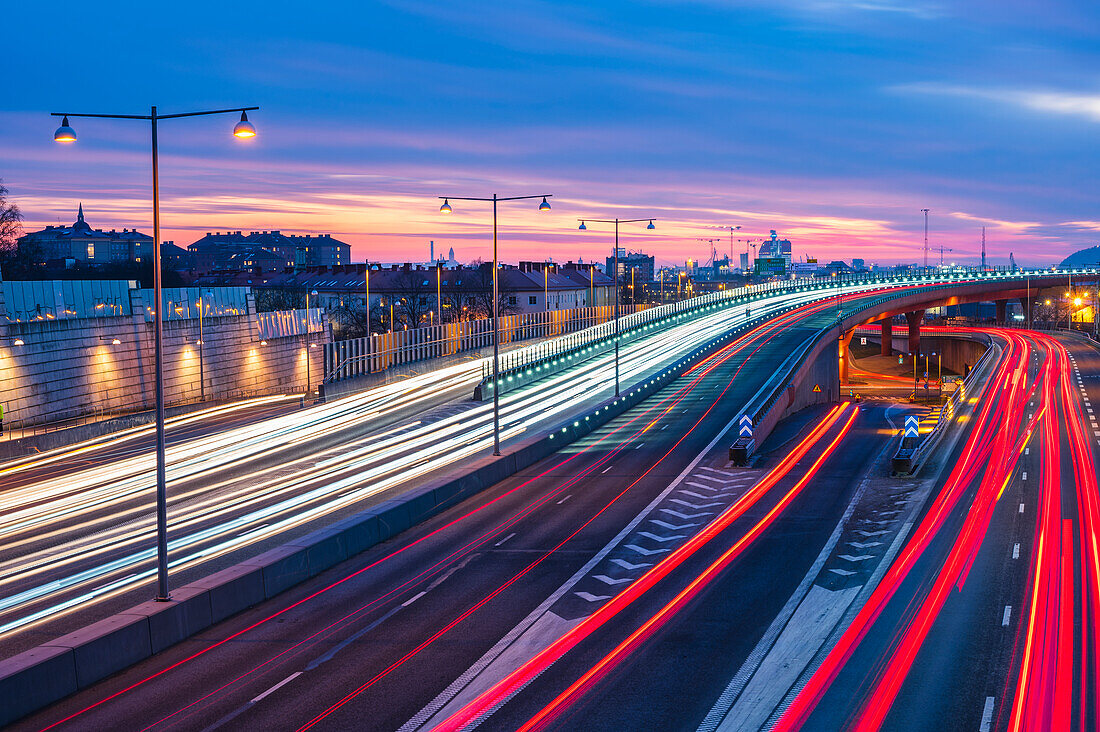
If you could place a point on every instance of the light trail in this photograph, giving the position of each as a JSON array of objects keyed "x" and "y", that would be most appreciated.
[
  {"x": 225, "y": 515},
  {"x": 976, "y": 451},
  {"x": 1061, "y": 621},
  {"x": 769, "y": 329},
  {"x": 511, "y": 684},
  {"x": 662, "y": 616}
]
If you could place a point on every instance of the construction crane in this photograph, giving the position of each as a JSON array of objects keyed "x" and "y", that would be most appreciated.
[
  {"x": 713, "y": 251},
  {"x": 732, "y": 230},
  {"x": 942, "y": 250}
]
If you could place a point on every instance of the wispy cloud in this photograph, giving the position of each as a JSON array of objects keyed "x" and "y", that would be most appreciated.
[{"x": 1081, "y": 104}]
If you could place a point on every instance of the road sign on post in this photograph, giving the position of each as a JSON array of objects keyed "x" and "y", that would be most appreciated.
[
  {"x": 911, "y": 429},
  {"x": 817, "y": 388},
  {"x": 745, "y": 426}
]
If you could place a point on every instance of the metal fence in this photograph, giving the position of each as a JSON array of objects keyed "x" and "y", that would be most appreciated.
[
  {"x": 283, "y": 323},
  {"x": 358, "y": 356}
]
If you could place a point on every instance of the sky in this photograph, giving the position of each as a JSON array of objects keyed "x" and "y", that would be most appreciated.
[{"x": 833, "y": 122}]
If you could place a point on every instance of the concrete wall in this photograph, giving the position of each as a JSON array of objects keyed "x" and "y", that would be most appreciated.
[
  {"x": 958, "y": 351},
  {"x": 70, "y": 368}
]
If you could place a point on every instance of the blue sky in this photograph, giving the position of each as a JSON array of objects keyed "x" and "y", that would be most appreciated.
[{"x": 831, "y": 121}]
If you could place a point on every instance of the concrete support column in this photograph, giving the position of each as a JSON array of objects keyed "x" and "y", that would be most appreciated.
[
  {"x": 1002, "y": 310},
  {"x": 914, "y": 319},
  {"x": 1029, "y": 306},
  {"x": 844, "y": 343},
  {"x": 887, "y": 336}
]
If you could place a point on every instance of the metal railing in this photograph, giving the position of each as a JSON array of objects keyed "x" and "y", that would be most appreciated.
[{"x": 380, "y": 351}]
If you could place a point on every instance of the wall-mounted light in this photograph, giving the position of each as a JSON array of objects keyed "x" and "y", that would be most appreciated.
[
  {"x": 18, "y": 342},
  {"x": 263, "y": 343}
]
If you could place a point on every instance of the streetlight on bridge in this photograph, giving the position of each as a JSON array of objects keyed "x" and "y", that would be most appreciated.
[
  {"x": 582, "y": 227},
  {"x": 446, "y": 209},
  {"x": 243, "y": 130}
]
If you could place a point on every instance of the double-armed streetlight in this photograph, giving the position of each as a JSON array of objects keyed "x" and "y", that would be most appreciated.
[
  {"x": 446, "y": 208},
  {"x": 583, "y": 227},
  {"x": 242, "y": 130}
]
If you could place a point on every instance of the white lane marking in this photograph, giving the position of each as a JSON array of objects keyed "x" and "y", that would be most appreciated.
[
  {"x": 1024, "y": 476},
  {"x": 639, "y": 446},
  {"x": 987, "y": 715},
  {"x": 590, "y": 597},
  {"x": 630, "y": 565},
  {"x": 672, "y": 527},
  {"x": 1021, "y": 508},
  {"x": 278, "y": 686},
  {"x": 1027, "y": 450},
  {"x": 664, "y": 427},
  {"x": 645, "y": 552},
  {"x": 1007, "y": 616},
  {"x": 655, "y": 537},
  {"x": 413, "y": 599},
  {"x": 611, "y": 580},
  {"x": 605, "y": 469},
  {"x": 508, "y": 537},
  {"x": 716, "y": 470},
  {"x": 1015, "y": 551},
  {"x": 565, "y": 499}
]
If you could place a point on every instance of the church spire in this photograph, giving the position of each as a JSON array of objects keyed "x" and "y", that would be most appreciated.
[{"x": 80, "y": 212}]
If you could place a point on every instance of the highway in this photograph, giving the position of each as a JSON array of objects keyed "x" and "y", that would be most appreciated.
[
  {"x": 636, "y": 580},
  {"x": 76, "y": 526},
  {"x": 403, "y": 634}
]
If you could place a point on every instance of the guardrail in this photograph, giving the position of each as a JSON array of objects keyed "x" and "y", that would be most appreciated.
[
  {"x": 908, "y": 460},
  {"x": 528, "y": 364}
]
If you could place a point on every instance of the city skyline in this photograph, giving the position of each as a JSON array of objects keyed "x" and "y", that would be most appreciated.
[{"x": 705, "y": 115}]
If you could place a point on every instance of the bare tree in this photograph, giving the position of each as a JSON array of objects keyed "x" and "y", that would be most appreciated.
[
  {"x": 415, "y": 295},
  {"x": 349, "y": 319},
  {"x": 269, "y": 299},
  {"x": 477, "y": 287},
  {"x": 11, "y": 226}
]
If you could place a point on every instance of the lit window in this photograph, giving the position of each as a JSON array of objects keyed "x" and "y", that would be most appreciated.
[{"x": 91, "y": 250}]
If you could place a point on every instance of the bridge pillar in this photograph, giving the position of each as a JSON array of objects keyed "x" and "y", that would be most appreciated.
[
  {"x": 914, "y": 320},
  {"x": 887, "y": 336},
  {"x": 845, "y": 342},
  {"x": 1002, "y": 310},
  {"x": 1029, "y": 305}
]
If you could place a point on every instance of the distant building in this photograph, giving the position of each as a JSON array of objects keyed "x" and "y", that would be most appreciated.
[
  {"x": 267, "y": 251},
  {"x": 838, "y": 266},
  {"x": 859, "y": 265},
  {"x": 85, "y": 245},
  {"x": 641, "y": 264},
  {"x": 744, "y": 261},
  {"x": 776, "y": 248}
]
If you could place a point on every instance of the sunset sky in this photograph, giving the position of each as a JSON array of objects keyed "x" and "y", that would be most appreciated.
[{"x": 832, "y": 121}]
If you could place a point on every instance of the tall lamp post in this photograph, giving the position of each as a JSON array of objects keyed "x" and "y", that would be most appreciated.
[
  {"x": 202, "y": 375},
  {"x": 583, "y": 227},
  {"x": 446, "y": 208},
  {"x": 242, "y": 130},
  {"x": 309, "y": 345}
]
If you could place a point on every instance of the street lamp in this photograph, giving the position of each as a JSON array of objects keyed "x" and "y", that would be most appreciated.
[
  {"x": 66, "y": 135},
  {"x": 309, "y": 385},
  {"x": 446, "y": 209},
  {"x": 202, "y": 374},
  {"x": 616, "y": 276}
]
